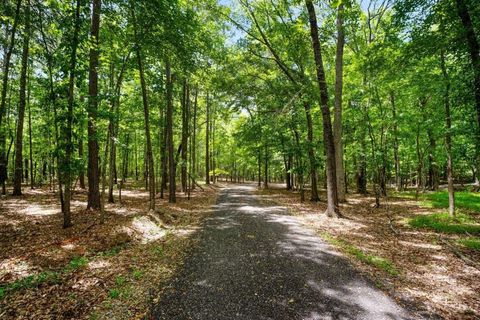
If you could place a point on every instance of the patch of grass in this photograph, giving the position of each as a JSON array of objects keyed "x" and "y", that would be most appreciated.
[
  {"x": 470, "y": 243},
  {"x": 443, "y": 222},
  {"x": 373, "y": 260},
  {"x": 158, "y": 250},
  {"x": 31, "y": 281},
  {"x": 439, "y": 199},
  {"x": 137, "y": 274},
  {"x": 76, "y": 263},
  {"x": 114, "y": 293},
  {"x": 120, "y": 280},
  {"x": 463, "y": 200}
]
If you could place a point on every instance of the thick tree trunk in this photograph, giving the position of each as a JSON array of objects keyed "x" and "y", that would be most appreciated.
[
  {"x": 17, "y": 179},
  {"x": 332, "y": 200},
  {"x": 448, "y": 137},
  {"x": 3, "y": 100},
  {"x": 337, "y": 123},
  {"x": 92, "y": 110},
  {"x": 169, "y": 123}
]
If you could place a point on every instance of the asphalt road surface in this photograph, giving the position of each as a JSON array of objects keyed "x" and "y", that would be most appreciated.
[{"x": 255, "y": 261}]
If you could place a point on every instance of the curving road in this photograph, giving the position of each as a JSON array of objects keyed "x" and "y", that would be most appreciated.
[{"x": 255, "y": 261}]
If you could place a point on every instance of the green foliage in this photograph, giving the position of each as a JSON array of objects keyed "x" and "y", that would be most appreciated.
[
  {"x": 28, "y": 282},
  {"x": 137, "y": 274},
  {"x": 470, "y": 243},
  {"x": 114, "y": 293},
  {"x": 463, "y": 200},
  {"x": 443, "y": 222},
  {"x": 76, "y": 263}
]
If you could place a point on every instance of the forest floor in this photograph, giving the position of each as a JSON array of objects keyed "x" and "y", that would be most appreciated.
[
  {"x": 428, "y": 270},
  {"x": 92, "y": 271}
]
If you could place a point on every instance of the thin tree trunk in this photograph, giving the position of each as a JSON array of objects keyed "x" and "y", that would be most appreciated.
[
  {"x": 92, "y": 110},
  {"x": 32, "y": 175},
  {"x": 17, "y": 179},
  {"x": 332, "y": 200},
  {"x": 3, "y": 100},
  {"x": 68, "y": 128},
  {"x": 398, "y": 181},
  {"x": 448, "y": 136},
  {"x": 337, "y": 123},
  {"x": 149, "y": 154},
  {"x": 184, "y": 135},
  {"x": 311, "y": 154},
  {"x": 169, "y": 124},
  {"x": 194, "y": 138},
  {"x": 207, "y": 142}
]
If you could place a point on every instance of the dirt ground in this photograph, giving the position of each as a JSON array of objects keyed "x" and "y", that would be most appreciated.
[
  {"x": 92, "y": 271},
  {"x": 429, "y": 277}
]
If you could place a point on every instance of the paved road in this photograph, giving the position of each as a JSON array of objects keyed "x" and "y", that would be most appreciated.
[{"x": 254, "y": 261}]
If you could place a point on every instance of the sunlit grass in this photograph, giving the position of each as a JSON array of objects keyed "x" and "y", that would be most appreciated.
[
  {"x": 443, "y": 222},
  {"x": 439, "y": 199},
  {"x": 373, "y": 260},
  {"x": 470, "y": 243}
]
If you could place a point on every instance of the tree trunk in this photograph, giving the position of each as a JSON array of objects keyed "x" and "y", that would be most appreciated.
[
  {"x": 81, "y": 176},
  {"x": 448, "y": 136},
  {"x": 474, "y": 50},
  {"x": 337, "y": 123},
  {"x": 207, "y": 142},
  {"x": 194, "y": 138},
  {"x": 332, "y": 200},
  {"x": 311, "y": 154},
  {"x": 265, "y": 172},
  {"x": 169, "y": 124},
  {"x": 184, "y": 135},
  {"x": 92, "y": 110},
  {"x": 17, "y": 179},
  {"x": 3, "y": 100},
  {"x": 398, "y": 181},
  {"x": 68, "y": 128},
  {"x": 146, "y": 115}
]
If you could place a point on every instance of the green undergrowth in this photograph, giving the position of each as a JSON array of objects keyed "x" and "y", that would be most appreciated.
[
  {"x": 471, "y": 243},
  {"x": 443, "y": 222},
  {"x": 76, "y": 263},
  {"x": 469, "y": 201},
  {"x": 373, "y": 260}
]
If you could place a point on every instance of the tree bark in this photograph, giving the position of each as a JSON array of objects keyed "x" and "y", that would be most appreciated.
[
  {"x": 311, "y": 154},
  {"x": 30, "y": 142},
  {"x": 17, "y": 179},
  {"x": 332, "y": 200},
  {"x": 92, "y": 110},
  {"x": 146, "y": 115},
  {"x": 169, "y": 123},
  {"x": 448, "y": 136},
  {"x": 207, "y": 142},
  {"x": 398, "y": 181},
  {"x": 3, "y": 100},
  {"x": 474, "y": 50},
  {"x": 184, "y": 135},
  {"x": 337, "y": 123},
  {"x": 194, "y": 138}
]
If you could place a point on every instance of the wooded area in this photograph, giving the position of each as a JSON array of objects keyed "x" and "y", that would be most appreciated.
[{"x": 334, "y": 100}]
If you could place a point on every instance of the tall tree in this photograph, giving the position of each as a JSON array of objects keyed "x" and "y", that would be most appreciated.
[
  {"x": 169, "y": 123},
  {"x": 17, "y": 179},
  {"x": 337, "y": 123},
  {"x": 332, "y": 199},
  {"x": 92, "y": 110},
  {"x": 3, "y": 99}
]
